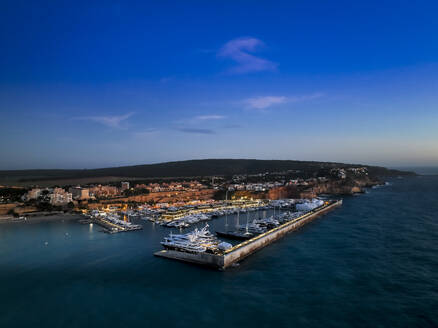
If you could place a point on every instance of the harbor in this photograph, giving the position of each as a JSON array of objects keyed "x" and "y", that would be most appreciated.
[
  {"x": 189, "y": 215},
  {"x": 112, "y": 223},
  {"x": 118, "y": 219},
  {"x": 228, "y": 255}
]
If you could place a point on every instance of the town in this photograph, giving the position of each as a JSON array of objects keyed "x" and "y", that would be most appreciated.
[{"x": 178, "y": 202}]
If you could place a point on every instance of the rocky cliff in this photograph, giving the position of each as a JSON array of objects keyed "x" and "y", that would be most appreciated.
[{"x": 332, "y": 187}]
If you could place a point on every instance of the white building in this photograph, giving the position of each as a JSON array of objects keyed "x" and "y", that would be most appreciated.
[
  {"x": 60, "y": 197},
  {"x": 125, "y": 185}
]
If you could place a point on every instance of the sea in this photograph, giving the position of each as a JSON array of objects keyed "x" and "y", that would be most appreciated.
[{"x": 371, "y": 263}]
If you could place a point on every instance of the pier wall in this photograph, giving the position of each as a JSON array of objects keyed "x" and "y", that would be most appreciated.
[
  {"x": 240, "y": 251},
  {"x": 215, "y": 261},
  {"x": 246, "y": 248}
]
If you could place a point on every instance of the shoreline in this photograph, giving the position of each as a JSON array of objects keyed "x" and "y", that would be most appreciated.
[{"x": 41, "y": 218}]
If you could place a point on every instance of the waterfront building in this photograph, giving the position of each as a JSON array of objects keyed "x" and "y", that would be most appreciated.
[
  {"x": 80, "y": 193},
  {"x": 33, "y": 193},
  {"x": 339, "y": 173},
  {"x": 125, "y": 185},
  {"x": 60, "y": 197},
  {"x": 104, "y": 191}
]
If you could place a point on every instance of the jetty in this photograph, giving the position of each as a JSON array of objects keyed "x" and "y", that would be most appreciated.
[
  {"x": 112, "y": 227},
  {"x": 240, "y": 251}
]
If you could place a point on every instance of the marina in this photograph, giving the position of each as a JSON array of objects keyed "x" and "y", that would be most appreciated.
[
  {"x": 187, "y": 216},
  {"x": 79, "y": 268},
  {"x": 197, "y": 164},
  {"x": 118, "y": 219},
  {"x": 182, "y": 217},
  {"x": 112, "y": 223},
  {"x": 227, "y": 255}
]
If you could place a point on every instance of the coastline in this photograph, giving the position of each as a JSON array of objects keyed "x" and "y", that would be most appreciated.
[{"x": 41, "y": 217}]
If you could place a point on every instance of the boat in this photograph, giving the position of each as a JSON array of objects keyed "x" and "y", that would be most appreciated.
[
  {"x": 196, "y": 241},
  {"x": 236, "y": 234}
]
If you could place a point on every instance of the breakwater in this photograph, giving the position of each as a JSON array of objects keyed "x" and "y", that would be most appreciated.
[{"x": 248, "y": 247}]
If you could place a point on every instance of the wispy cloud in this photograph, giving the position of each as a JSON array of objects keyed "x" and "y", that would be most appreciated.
[
  {"x": 197, "y": 124},
  {"x": 196, "y": 130},
  {"x": 264, "y": 102},
  {"x": 269, "y": 101},
  {"x": 109, "y": 121},
  {"x": 239, "y": 50},
  {"x": 200, "y": 118},
  {"x": 209, "y": 117}
]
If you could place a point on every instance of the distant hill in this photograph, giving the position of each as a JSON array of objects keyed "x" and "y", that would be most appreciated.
[{"x": 190, "y": 168}]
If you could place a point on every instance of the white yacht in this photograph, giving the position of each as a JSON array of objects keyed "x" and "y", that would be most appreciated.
[{"x": 193, "y": 242}]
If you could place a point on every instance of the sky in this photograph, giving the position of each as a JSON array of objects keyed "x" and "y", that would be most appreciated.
[{"x": 89, "y": 84}]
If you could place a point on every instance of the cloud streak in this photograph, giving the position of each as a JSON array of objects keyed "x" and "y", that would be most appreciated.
[
  {"x": 201, "y": 118},
  {"x": 109, "y": 121},
  {"x": 265, "y": 102},
  {"x": 196, "y": 130},
  {"x": 295, "y": 99},
  {"x": 239, "y": 50},
  {"x": 209, "y": 117},
  {"x": 196, "y": 124}
]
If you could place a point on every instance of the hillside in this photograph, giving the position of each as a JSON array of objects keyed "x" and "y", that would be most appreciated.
[{"x": 190, "y": 168}]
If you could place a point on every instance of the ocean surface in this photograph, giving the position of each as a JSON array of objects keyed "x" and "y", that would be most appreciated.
[{"x": 371, "y": 263}]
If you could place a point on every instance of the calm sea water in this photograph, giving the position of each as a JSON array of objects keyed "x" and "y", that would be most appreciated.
[{"x": 373, "y": 262}]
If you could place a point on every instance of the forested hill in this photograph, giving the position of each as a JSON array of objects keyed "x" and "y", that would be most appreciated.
[{"x": 191, "y": 168}]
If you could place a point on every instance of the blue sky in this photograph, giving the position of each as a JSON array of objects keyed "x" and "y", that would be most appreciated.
[{"x": 99, "y": 84}]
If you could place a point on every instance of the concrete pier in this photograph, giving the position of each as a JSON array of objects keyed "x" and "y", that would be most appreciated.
[
  {"x": 207, "y": 259},
  {"x": 248, "y": 247},
  {"x": 111, "y": 227}
]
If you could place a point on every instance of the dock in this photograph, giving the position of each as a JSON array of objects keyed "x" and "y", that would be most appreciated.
[
  {"x": 235, "y": 235},
  {"x": 111, "y": 227},
  {"x": 240, "y": 251}
]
